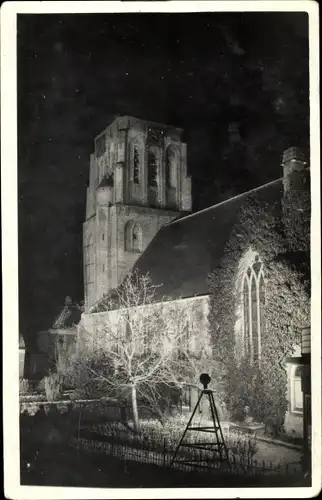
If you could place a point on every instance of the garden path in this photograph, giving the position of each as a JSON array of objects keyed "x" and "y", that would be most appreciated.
[{"x": 277, "y": 454}]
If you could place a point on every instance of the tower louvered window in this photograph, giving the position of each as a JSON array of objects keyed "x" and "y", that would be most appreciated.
[
  {"x": 136, "y": 165},
  {"x": 152, "y": 169}
]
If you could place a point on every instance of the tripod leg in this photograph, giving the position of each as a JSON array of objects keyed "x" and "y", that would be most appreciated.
[
  {"x": 215, "y": 421},
  {"x": 222, "y": 437},
  {"x": 215, "y": 413},
  {"x": 187, "y": 426}
]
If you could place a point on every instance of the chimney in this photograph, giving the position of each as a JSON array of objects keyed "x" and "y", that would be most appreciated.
[
  {"x": 296, "y": 200},
  {"x": 295, "y": 171}
]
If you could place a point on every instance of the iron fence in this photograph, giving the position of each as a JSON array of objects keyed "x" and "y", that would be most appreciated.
[
  {"x": 150, "y": 446},
  {"x": 158, "y": 450}
]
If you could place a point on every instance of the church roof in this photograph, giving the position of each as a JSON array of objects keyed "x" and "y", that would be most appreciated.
[{"x": 184, "y": 252}]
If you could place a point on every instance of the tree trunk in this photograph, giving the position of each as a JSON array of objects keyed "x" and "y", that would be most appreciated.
[{"x": 135, "y": 408}]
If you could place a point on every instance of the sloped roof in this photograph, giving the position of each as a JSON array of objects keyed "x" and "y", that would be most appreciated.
[
  {"x": 186, "y": 250},
  {"x": 68, "y": 316},
  {"x": 107, "y": 181}
]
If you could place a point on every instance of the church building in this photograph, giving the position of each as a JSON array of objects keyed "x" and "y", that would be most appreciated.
[{"x": 242, "y": 265}]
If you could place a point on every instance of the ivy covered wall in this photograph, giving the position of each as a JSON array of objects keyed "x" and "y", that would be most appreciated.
[{"x": 277, "y": 228}]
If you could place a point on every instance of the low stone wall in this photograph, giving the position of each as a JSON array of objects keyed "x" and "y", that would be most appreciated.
[{"x": 93, "y": 408}]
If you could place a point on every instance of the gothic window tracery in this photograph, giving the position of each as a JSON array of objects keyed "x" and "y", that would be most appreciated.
[
  {"x": 246, "y": 316},
  {"x": 253, "y": 309}
]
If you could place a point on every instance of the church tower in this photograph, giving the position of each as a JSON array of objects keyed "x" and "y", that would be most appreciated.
[{"x": 138, "y": 182}]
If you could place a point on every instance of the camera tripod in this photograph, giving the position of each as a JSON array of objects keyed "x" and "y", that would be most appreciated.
[{"x": 213, "y": 453}]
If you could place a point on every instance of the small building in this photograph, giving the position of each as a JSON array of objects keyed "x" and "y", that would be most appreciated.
[{"x": 61, "y": 335}]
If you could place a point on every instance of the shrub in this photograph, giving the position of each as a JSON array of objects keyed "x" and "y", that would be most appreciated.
[
  {"x": 24, "y": 387},
  {"x": 41, "y": 386},
  {"x": 53, "y": 386},
  {"x": 273, "y": 427},
  {"x": 242, "y": 448},
  {"x": 76, "y": 371},
  {"x": 65, "y": 367},
  {"x": 90, "y": 391}
]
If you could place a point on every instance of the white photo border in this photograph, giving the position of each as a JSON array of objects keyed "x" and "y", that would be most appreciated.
[{"x": 9, "y": 11}]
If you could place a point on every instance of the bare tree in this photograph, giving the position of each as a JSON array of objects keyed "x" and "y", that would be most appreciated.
[{"x": 140, "y": 345}]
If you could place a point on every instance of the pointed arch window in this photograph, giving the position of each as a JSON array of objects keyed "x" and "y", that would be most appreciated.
[
  {"x": 171, "y": 177},
  {"x": 136, "y": 165},
  {"x": 88, "y": 257},
  {"x": 133, "y": 237},
  {"x": 135, "y": 153},
  {"x": 254, "y": 317},
  {"x": 171, "y": 168},
  {"x": 136, "y": 238},
  {"x": 253, "y": 309},
  {"x": 152, "y": 169},
  {"x": 246, "y": 316},
  {"x": 261, "y": 298}
]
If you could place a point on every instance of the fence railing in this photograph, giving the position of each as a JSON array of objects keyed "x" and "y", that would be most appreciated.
[
  {"x": 153, "y": 445},
  {"x": 126, "y": 446}
]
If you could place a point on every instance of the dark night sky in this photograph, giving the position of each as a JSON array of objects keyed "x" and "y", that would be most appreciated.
[{"x": 203, "y": 72}]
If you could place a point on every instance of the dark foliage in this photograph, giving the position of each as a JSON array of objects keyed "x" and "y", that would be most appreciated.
[{"x": 282, "y": 241}]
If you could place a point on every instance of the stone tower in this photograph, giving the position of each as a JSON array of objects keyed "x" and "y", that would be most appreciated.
[{"x": 138, "y": 182}]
